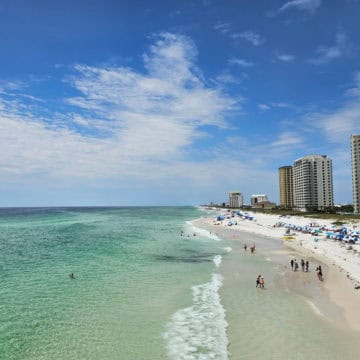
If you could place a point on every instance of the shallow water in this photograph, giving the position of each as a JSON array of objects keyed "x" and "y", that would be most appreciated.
[{"x": 143, "y": 291}]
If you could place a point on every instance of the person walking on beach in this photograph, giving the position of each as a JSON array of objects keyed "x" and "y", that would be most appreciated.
[
  {"x": 307, "y": 266},
  {"x": 302, "y": 265},
  {"x": 296, "y": 265},
  {"x": 258, "y": 281},
  {"x": 262, "y": 283},
  {"x": 245, "y": 247},
  {"x": 319, "y": 273},
  {"x": 292, "y": 264}
]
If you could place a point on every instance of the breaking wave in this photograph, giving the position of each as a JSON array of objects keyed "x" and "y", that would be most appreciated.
[{"x": 198, "y": 332}]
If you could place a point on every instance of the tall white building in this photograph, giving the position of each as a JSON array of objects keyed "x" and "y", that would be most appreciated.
[
  {"x": 313, "y": 183},
  {"x": 355, "y": 162},
  {"x": 236, "y": 199}
]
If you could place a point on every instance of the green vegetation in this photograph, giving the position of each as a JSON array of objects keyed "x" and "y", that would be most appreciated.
[{"x": 338, "y": 223}]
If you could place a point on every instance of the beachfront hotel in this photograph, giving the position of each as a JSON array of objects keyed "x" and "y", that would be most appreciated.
[
  {"x": 355, "y": 164},
  {"x": 258, "y": 198},
  {"x": 236, "y": 199},
  {"x": 286, "y": 185},
  {"x": 313, "y": 183}
]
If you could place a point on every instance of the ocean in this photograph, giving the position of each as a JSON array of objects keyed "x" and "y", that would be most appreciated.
[{"x": 147, "y": 285}]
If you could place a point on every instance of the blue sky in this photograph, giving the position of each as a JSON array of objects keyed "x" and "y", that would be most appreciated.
[{"x": 172, "y": 102}]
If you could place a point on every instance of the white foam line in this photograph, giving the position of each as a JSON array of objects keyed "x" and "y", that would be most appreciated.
[
  {"x": 228, "y": 249},
  {"x": 217, "y": 260},
  {"x": 202, "y": 232},
  {"x": 199, "y": 331},
  {"x": 314, "y": 308}
]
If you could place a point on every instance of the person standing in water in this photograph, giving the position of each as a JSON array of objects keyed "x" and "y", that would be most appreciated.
[
  {"x": 252, "y": 248},
  {"x": 292, "y": 264},
  {"x": 245, "y": 247},
  {"x": 258, "y": 281}
]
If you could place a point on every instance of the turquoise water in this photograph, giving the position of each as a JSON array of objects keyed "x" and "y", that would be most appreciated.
[
  {"x": 143, "y": 290},
  {"x": 133, "y": 272}
]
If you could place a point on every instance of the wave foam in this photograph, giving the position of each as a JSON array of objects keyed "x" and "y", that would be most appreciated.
[
  {"x": 217, "y": 260},
  {"x": 228, "y": 249},
  {"x": 202, "y": 232},
  {"x": 314, "y": 308},
  {"x": 199, "y": 331}
]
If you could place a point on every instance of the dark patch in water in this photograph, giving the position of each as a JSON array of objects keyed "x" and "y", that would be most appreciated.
[{"x": 186, "y": 259}]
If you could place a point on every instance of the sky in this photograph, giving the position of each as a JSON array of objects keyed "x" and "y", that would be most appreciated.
[{"x": 170, "y": 102}]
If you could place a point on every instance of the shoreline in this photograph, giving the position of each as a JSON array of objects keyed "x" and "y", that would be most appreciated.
[{"x": 335, "y": 298}]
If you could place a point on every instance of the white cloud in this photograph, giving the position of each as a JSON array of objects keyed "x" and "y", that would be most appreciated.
[
  {"x": 286, "y": 57},
  {"x": 288, "y": 139},
  {"x": 122, "y": 124},
  {"x": 240, "y": 62},
  {"x": 355, "y": 91},
  {"x": 227, "y": 78},
  {"x": 249, "y": 36},
  {"x": 264, "y": 107},
  {"x": 270, "y": 105},
  {"x": 339, "y": 124},
  {"x": 303, "y": 5},
  {"x": 223, "y": 28},
  {"x": 325, "y": 54}
]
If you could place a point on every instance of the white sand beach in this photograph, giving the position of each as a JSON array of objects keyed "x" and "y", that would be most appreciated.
[{"x": 342, "y": 261}]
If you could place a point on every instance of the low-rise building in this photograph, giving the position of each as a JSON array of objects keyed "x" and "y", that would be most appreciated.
[
  {"x": 264, "y": 205},
  {"x": 258, "y": 198}
]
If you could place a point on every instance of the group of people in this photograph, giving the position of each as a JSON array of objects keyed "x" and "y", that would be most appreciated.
[
  {"x": 260, "y": 282},
  {"x": 305, "y": 267},
  {"x": 295, "y": 266},
  {"x": 252, "y": 248},
  {"x": 182, "y": 233}
]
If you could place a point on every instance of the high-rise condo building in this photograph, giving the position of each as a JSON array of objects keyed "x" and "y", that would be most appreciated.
[
  {"x": 355, "y": 163},
  {"x": 235, "y": 199},
  {"x": 313, "y": 183},
  {"x": 286, "y": 185}
]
